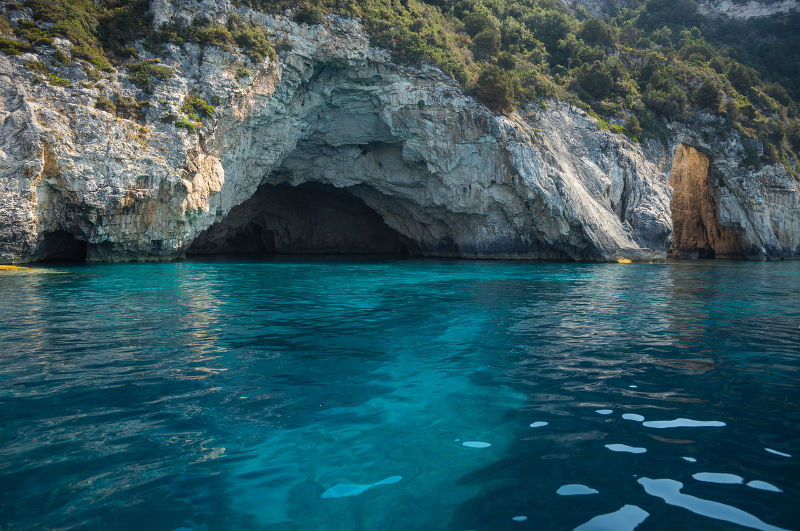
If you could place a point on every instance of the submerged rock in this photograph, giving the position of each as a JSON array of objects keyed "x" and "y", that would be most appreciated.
[{"x": 333, "y": 148}]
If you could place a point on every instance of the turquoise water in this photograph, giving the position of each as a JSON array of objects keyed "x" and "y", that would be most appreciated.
[{"x": 400, "y": 395}]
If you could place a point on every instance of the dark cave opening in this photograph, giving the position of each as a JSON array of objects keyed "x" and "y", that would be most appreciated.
[
  {"x": 61, "y": 247},
  {"x": 311, "y": 218}
]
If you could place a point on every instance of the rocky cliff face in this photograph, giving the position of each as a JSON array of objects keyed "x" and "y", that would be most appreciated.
[
  {"x": 697, "y": 231},
  {"x": 747, "y": 9},
  {"x": 755, "y": 209},
  {"x": 735, "y": 9},
  {"x": 333, "y": 147}
]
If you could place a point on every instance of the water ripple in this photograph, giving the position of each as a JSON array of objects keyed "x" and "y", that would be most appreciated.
[{"x": 231, "y": 395}]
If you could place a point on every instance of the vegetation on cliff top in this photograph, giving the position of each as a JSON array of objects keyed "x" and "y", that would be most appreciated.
[
  {"x": 656, "y": 60},
  {"x": 659, "y": 59}
]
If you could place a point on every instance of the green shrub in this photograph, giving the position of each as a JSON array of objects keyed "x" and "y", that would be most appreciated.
[
  {"x": 212, "y": 35},
  {"x": 143, "y": 72},
  {"x": 632, "y": 127},
  {"x": 243, "y": 72},
  {"x": 495, "y": 88},
  {"x": 309, "y": 13},
  {"x": 793, "y": 135},
  {"x": 595, "y": 31},
  {"x": 254, "y": 43},
  {"x": 97, "y": 29},
  {"x": 105, "y": 104},
  {"x": 250, "y": 37},
  {"x": 12, "y": 47},
  {"x": 33, "y": 33},
  {"x": 186, "y": 124},
  {"x": 742, "y": 77},
  {"x": 732, "y": 112},
  {"x": 708, "y": 95},
  {"x": 480, "y": 19},
  {"x": 93, "y": 74},
  {"x": 750, "y": 155},
  {"x": 596, "y": 80},
  {"x": 5, "y": 25},
  {"x": 61, "y": 57},
  {"x": 121, "y": 22},
  {"x": 76, "y": 20},
  {"x": 669, "y": 103},
  {"x": 486, "y": 44},
  {"x": 629, "y": 34},
  {"x": 52, "y": 79},
  {"x": 602, "y": 123},
  {"x": 123, "y": 107},
  {"x": 194, "y": 107},
  {"x": 651, "y": 126},
  {"x": 103, "y": 65}
]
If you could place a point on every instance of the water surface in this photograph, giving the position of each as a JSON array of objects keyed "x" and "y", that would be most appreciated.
[{"x": 400, "y": 395}]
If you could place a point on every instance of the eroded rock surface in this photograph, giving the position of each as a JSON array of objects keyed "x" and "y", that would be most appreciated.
[
  {"x": 443, "y": 174},
  {"x": 735, "y": 9},
  {"x": 757, "y": 206},
  {"x": 750, "y": 9},
  {"x": 696, "y": 228}
]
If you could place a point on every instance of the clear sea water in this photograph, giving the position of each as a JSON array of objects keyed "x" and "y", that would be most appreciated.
[{"x": 340, "y": 395}]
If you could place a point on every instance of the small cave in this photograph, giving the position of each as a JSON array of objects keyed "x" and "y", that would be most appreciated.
[
  {"x": 311, "y": 218},
  {"x": 697, "y": 232},
  {"x": 61, "y": 247}
]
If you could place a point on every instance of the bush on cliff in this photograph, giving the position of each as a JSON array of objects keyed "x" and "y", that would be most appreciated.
[
  {"x": 496, "y": 88},
  {"x": 651, "y": 59},
  {"x": 708, "y": 95},
  {"x": 143, "y": 73}
]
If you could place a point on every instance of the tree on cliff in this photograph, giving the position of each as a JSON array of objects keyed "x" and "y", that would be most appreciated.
[
  {"x": 495, "y": 87},
  {"x": 708, "y": 95}
]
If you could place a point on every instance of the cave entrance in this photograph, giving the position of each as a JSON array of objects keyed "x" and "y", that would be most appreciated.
[
  {"x": 61, "y": 247},
  {"x": 311, "y": 218},
  {"x": 696, "y": 230}
]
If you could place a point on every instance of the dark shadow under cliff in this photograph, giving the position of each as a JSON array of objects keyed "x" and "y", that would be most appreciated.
[
  {"x": 61, "y": 247},
  {"x": 311, "y": 218}
]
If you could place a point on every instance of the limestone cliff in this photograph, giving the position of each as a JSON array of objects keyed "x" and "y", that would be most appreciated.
[
  {"x": 332, "y": 147},
  {"x": 744, "y": 10},
  {"x": 734, "y": 9}
]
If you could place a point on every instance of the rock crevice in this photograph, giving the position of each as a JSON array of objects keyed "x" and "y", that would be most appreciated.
[{"x": 697, "y": 232}]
